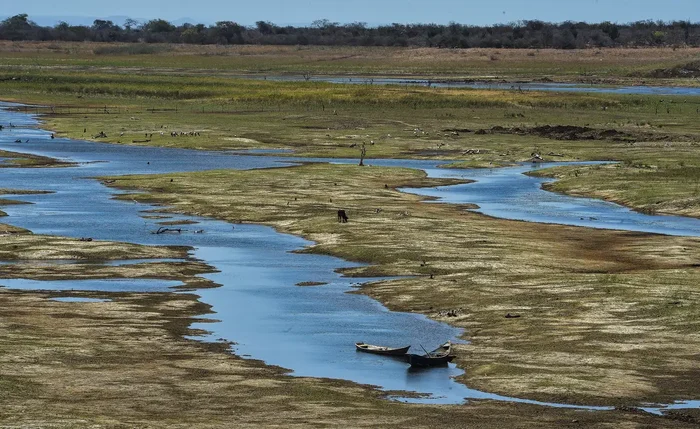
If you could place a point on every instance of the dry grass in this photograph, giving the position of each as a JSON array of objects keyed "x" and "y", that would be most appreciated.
[
  {"x": 124, "y": 363},
  {"x": 655, "y": 189},
  {"x": 425, "y": 62},
  {"x": 607, "y": 316},
  {"x": 44, "y": 247}
]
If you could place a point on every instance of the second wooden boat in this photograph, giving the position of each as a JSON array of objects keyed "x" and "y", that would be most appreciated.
[{"x": 380, "y": 350}]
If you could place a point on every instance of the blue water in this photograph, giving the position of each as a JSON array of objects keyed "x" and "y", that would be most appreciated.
[
  {"x": 679, "y": 405},
  {"x": 111, "y": 285},
  {"x": 528, "y": 86},
  {"x": 258, "y": 304},
  {"x": 510, "y": 194},
  {"x": 78, "y": 299}
]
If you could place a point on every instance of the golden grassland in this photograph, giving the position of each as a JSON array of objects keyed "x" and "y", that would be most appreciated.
[
  {"x": 124, "y": 363},
  {"x": 617, "y": 64}
]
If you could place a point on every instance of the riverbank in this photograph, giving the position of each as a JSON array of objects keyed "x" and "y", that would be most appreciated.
[
  {"x": 76, "y": 364},
  {"x": 612, "y": 66},
  {"x": 573, "y": 288},
  {"x": 125, "y": 361},
  {"x": 15, "y": 159},
  {"x": 660, "y": 188}
]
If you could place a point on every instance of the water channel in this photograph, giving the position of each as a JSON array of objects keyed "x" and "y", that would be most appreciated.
[
  {"x": 495, "y": 85},
  {"x": 258, "y": 304}
]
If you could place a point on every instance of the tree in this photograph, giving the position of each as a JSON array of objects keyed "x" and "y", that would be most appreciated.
[
  {"x": 228, "y": 32},
  {"x": 265, "y": 28},
  {"x": 323, "y": 23},
  {"x": 105, "y": 31},
  {"x": 158, "y": 26},
  {"x": 130, "y": 24},
  {"x": 612, "y": 30},
  {"x": 523, "y": 34},
  {"x": 192, "y": 36},
  {"x": 363, "y": 153},
  {"x": 17, "y": 27}
]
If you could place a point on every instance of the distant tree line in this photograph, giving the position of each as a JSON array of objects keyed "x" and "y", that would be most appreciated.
[{"x": 522, "y": 34}]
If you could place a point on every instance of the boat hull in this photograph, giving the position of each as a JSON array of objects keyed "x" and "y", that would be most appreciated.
[
  {"x": 379, "y": 350},
  {"x": 423, "y": 361},
  {"x": 438, "y": 357}
]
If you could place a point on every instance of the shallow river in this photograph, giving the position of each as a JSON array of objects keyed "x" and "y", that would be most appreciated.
[
  {"x": 310, "y": 330},
  {"x": 526, "y": 86}
]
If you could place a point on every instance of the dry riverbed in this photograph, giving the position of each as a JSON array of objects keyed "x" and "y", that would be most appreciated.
[
  {"x": 606, "y": 317},
  {"x": 125, "y": 362}
]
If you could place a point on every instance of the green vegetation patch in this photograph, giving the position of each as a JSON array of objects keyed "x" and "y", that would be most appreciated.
[{"x": 664, "y": 187}]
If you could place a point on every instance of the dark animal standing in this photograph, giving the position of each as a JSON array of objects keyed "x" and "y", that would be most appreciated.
[{"x": 342, "y": 216}]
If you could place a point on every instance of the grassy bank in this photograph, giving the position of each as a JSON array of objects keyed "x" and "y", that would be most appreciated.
[
  {"x": 106, "y": 365},
  {"x": 126, "y": 362},
  {"x": 606, "y": 316},
  {"x": 21, "y": 244},
  {"x": 659, "y": 188},
  {"x": 656, "y": 135},
  {"x": 15, "y": 159},
  {"x": 317, "y": 119}
]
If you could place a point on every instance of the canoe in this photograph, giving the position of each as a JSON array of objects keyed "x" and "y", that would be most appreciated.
[
  {"x": 380, "y": 350},
  {"x": 438, "y": 357}
]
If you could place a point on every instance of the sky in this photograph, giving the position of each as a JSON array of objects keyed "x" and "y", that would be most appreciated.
[{"x": 373, "y": 12}]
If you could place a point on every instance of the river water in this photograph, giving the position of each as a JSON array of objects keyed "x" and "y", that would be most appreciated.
[
  {"x": 506, "y": 86},
  {"x": 309, "y": 330}
]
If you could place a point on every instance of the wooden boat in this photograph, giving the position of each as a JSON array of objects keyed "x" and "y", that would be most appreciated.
[
  {"x": 438, "y": 357},
  {"x": 380, "y": 350}
]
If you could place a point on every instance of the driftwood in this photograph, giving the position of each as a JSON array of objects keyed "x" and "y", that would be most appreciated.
[
  {"x": 474, "y": 152},
  {"x": 163, "y": 230},
  {"x": 141, "y": 141}
]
